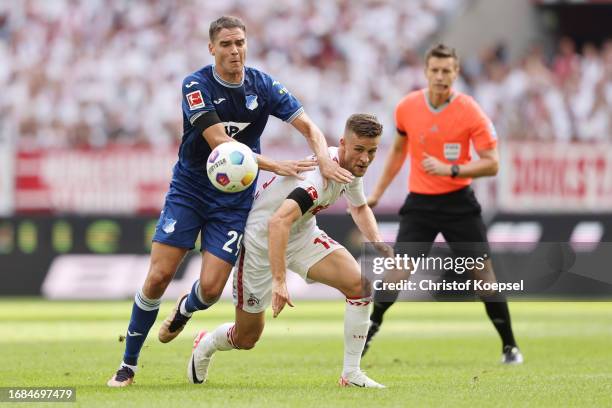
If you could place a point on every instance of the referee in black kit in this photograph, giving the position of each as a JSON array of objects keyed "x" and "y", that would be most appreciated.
[{"x": 437, "y": 126}]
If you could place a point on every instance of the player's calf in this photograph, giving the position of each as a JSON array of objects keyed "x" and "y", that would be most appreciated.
[
  {"x": 245, "y": 341},
  {"x": 165, "y": 259},
  {"x": 144, "y": 313},
  {"x": 243, "y": 334},
  {"x": 185, "y": 307}
]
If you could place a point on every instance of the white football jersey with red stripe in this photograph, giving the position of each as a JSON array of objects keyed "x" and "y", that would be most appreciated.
[{"x": 273, "y": 192}]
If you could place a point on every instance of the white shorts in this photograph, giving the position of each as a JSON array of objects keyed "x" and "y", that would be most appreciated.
[{"x": 252, "y": 288}]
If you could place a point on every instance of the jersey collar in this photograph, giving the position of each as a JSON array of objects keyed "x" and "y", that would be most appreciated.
[
  {"x": 441, "y": 107},
  {"x": 224, "y": 82}
]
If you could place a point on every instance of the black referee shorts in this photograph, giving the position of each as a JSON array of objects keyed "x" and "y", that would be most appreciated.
[{"x": 457, "y": 215}]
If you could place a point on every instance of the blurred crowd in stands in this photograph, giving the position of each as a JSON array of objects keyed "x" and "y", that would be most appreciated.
[
  {"x": 94, "y": 72},
  {"x": 567, "y": 97}
]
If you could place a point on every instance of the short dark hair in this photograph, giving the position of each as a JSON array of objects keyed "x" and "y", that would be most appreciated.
[
  {"x": 441, "y": 51},
  {"x": 224, "y": 22},
  {"x": 364, "y": 125}
]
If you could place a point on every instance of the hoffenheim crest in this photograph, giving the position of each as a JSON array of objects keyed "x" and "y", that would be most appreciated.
[
  {"x": 168, "y": 226},
  {"x": 251, "y": 102}
]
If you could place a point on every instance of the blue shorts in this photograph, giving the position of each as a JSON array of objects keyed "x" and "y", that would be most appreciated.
[{"x": 222, "y": 229}]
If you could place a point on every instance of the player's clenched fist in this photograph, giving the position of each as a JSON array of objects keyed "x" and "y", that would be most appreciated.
[{"x": 280, "y": 297}]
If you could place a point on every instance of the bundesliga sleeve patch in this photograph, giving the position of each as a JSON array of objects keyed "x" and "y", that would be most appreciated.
[{"x": 195, "y": 100}]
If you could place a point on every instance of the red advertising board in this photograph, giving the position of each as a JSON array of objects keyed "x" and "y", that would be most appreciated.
[
  {"x": 7, "y": 158},
  {"x": 131, "y": 180},
  {"x": 114, "y": 180},
  {"x": 553, "y": 177},
  {"x": 533, "y": 177}
]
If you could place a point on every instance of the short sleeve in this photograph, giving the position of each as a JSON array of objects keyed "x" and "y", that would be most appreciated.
[
  {"x": 313, "y": 184},
  {"x": 196, "y": 98},
  {"x": 482, "y": 130},
  {"x": 399, "y": 120},
  {"x": 355, "y": 194},
  {"x": 283, "y": 104}
]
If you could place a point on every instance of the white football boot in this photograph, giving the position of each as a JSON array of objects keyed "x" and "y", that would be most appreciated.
[
  {"x": 197, "y": 369},
  {"x": 358, "y": 379}
]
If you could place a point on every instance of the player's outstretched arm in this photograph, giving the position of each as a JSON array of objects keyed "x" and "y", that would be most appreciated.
[
  {"x": 215, "y": 135},
  {"x": 329, "y": 168},
  {"x": 393, "y": 164},
  {"x": 279, "y": 227},
  {"x": 366, "y": 222}
]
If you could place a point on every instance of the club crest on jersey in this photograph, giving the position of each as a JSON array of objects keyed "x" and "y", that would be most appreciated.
[
  {"x": 195, "y": 100},
  {"x": 251, "y": 102},
  {"x": 312, "y": 192},
  {"x": 452, "y": 151},
  {"x": 168, "y": 226}
]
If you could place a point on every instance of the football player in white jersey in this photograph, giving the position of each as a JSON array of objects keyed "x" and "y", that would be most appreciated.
[{"x": 281, "y": 233}]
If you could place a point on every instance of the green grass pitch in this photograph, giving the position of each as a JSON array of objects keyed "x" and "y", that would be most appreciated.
[{"x": 428, "y": 354}]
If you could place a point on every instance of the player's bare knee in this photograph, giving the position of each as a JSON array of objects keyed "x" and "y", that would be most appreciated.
[
  {"x": 210, "y": 292},
  {"x": 356, "y": 288},
  {"x": 157, "y": 280}
]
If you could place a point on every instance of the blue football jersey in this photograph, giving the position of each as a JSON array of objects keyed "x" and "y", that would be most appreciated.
[{"x": 244, "y": 109}]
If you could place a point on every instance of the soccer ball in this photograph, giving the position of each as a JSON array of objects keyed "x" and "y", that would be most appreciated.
[{"x": 231, "y": 167}]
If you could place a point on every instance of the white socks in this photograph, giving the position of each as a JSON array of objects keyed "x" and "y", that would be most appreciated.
[
  {"x": 356, "y": 324},
  {"x": 132, "y": 367},
  {"x": 219, "y": 339}
]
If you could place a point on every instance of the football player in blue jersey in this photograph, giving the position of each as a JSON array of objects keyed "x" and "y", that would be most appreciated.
[{"x": 221, "y": 102}]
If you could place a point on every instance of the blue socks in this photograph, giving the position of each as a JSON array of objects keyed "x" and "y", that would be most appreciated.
[
  {"x": 194, "y": 300},
  {"x": 144, "y": 313}
]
